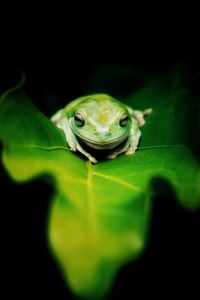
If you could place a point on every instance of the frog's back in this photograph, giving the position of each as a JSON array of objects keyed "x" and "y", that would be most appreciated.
[{"x": 102, "y": 101}]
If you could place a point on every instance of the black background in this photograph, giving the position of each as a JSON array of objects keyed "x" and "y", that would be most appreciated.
[{"x": 58, "y": 48}]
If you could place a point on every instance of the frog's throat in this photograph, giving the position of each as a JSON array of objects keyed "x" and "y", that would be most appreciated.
[{"x": 102, "y": 145}]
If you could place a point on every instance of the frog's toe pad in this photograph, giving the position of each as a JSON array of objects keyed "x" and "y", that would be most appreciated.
[
  {"x": 112, "y": 156},
  {"x": 130, "y": 151},
  {"x": 72, "y": 146},
  {"x": 92, "y": 159}
]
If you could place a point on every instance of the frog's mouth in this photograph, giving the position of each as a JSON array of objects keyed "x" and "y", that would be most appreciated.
[{"x": 103, "y": 145}]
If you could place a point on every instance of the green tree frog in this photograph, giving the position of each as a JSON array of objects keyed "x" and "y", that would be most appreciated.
[{"x": 99, "y": 122}]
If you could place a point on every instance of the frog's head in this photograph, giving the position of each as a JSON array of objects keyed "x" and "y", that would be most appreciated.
[{"x": 100, "y": 121}]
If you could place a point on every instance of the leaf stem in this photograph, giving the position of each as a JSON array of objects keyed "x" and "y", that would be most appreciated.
[{"x": 14, "y": 88}]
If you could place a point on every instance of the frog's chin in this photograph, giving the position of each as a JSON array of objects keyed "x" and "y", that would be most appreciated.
[{"x": 102, "y": 145}]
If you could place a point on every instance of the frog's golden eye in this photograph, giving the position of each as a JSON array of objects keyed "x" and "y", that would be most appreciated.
[
  {"x": 123, "y": 120},
  {"x": 79, "y": 120}
]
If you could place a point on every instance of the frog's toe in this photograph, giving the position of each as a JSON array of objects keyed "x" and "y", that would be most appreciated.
[
  {"x": 72, "y": 145},
  {"x": 130, "y": 151},
  {"x": 147, "y": 111},
  {"x": 73, "y": 148},
  {"x": 92, "y": 159},
  {"x": 112, "y": 156}
]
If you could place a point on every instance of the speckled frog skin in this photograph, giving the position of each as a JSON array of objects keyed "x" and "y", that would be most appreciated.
[{"x": 100, "y": 122}]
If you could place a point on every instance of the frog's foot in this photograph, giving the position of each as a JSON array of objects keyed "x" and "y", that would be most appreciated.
[
  {"x": 112, "y": 155},
  {"x": 147, "y": 111},
  {"x": 119, "y": 151},
  {"x": 85, "y": 153},
  {"x": 72, "y": 143},
  {"x": 92, "y": 159},
  {"x": 130, "y": 151},
  {"x": 129, "y": 148},
  {"x": 139, "y": 115}
]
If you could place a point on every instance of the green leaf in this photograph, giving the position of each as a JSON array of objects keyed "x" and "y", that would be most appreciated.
[{"x": 99, "y": 215}]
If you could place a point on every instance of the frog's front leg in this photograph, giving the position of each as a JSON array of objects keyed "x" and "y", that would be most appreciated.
[
  {"x": 130, "y": 145},
  {"x": 61, "y": 121},
  {"x": 133, "y": 141},
  {"x": 88, "y": 155}
]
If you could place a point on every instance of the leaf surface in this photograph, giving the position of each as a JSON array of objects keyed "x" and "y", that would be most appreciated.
[{"x": 99, "y": 215}]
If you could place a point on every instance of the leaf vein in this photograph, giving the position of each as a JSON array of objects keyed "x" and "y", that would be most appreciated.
[{"x": 118, "y": 180}]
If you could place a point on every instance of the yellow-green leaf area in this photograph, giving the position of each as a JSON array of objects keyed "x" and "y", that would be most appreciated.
[{"x": 99, "y": 215}]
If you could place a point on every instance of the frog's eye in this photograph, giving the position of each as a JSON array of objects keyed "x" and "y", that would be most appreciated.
[
  {"x": 123, "y": 120},
  {"x": 79, "y": 120}
]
